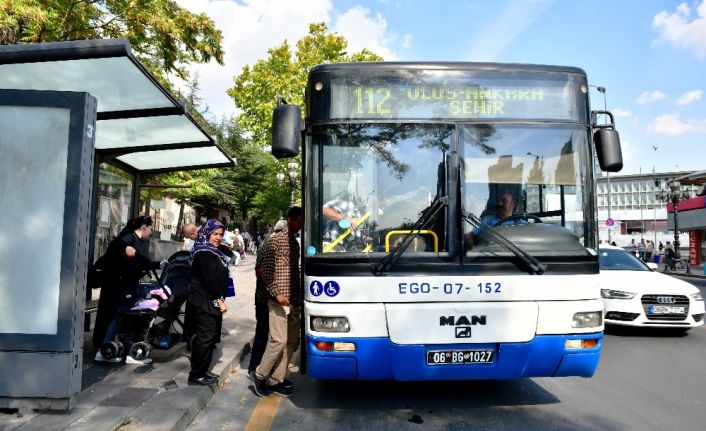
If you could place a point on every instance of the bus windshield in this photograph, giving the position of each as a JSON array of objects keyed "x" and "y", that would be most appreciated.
[
  {"x": 521, "y": 174},
  {"x": 375, "y": 181}
]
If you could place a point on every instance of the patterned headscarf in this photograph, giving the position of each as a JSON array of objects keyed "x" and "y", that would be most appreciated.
[{"x": 202, "y": 243}]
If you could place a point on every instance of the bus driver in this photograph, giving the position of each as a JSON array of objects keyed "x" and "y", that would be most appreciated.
[{"x": 504, "y": 208}]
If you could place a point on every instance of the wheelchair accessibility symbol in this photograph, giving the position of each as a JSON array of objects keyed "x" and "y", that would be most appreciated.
[
  {"x": 331, "y": 288},
  {"x": 316, "y": 288}
]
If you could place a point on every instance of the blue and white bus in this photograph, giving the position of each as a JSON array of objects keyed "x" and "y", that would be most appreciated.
[{"x": 450, "y": 227}]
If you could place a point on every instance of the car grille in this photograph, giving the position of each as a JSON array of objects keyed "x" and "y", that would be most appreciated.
[
  {"x": 698, "y": 317},
  {"x": 617, "y": 315},
  {"x": 678, "y": 301}
]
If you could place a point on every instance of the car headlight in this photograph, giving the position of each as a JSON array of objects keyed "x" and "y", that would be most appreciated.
[
  {"x": 588, "y": 319},
  {"x": 616, "y": 294},
  {"x": 697, "y": 296},
  {"x": 330, "y": 324}
]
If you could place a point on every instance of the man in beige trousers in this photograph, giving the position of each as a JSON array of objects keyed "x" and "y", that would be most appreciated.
[{"x": 283, "y": 283}]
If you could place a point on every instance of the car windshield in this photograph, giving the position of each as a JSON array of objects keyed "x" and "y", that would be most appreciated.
[{"x": 614, "y": 259}]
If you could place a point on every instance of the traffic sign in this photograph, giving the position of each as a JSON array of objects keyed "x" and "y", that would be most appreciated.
[{"x": 609, "y": 222}]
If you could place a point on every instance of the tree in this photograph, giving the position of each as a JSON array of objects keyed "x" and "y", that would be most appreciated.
[
  {"x": 247, "y": 188},
  {"x": 164, "y": 36},
  {"x": 284, "y": 74}
]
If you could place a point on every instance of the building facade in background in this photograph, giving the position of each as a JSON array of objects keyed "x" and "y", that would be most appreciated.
[{"x": 638, "y": 214}]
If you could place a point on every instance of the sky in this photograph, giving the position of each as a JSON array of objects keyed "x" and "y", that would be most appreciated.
[{"x": 649, "y": 55}]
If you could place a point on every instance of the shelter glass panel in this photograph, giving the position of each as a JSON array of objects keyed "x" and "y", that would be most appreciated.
[
  {"x": 168, "y": 159},
  {"x": 137, "y": 132},
  {"x": 33, "y": 220},
  {"x": 114, "y": 195}
]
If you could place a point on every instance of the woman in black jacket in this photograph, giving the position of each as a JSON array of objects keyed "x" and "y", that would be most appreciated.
[
  {"x": 205, "y": 304},
  {"x": 122, "y": 265}
]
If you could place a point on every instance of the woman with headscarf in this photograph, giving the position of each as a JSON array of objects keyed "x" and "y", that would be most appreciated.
[
  {"x": 205, "y": 304},
  {"x": 123, "y": 264}
]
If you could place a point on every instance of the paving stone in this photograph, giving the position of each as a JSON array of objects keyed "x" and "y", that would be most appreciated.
[
  {"x": 102, "y": 418},
  {"x": 54, "y": 420},
  {"x": 130, "y": 397},
  {"x": 95, "y": 395},
  {"x": 170, "y": 410}
]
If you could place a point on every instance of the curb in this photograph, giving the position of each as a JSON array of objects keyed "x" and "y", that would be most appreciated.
[{"x": 176, "y": 409}]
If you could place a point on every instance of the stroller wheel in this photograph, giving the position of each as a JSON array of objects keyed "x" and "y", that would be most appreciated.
[
  {"x": 140, "y": 350},
  {"x": 111, "y": 349}
]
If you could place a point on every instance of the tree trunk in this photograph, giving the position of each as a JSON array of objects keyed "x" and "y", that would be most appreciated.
[{"x": 180, "y": 222}]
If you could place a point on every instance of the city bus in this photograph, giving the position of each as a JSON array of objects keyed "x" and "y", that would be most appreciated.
[{"x": 450, "y": 227}]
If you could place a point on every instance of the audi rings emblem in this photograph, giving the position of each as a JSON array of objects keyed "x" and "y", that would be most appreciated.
[{"x": 666, "y": 299}]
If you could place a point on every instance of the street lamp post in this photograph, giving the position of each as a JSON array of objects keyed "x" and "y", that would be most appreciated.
[
  {"x": 674, "y": 194},
  {"x": 293, "y": 171}
]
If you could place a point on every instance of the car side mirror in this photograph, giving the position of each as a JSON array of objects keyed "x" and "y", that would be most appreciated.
[{"x": 653, "y": 266}]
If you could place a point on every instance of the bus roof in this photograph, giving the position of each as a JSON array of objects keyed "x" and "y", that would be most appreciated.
[{"x": 440, "y": 65}]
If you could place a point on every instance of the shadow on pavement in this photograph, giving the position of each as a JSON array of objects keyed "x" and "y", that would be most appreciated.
[
  {"x": 424, "y": 395},
  {"x": 629, "y": 331}
]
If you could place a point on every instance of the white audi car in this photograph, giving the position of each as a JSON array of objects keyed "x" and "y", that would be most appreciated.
[{"x": 635, "y": 295}]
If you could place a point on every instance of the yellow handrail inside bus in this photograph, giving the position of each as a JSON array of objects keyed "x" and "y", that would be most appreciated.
[
  {"x": 348, "y": 231},
  {"x": 416, "y": 232}
]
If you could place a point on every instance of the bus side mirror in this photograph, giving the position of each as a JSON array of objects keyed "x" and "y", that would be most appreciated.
[
  {"x": 286, "y": 130},
  {"x": 610, "y": 156},
  {"x": 607, "y": 141}
]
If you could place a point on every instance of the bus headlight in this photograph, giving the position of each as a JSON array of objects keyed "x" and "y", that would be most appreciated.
[
  {"x": 330, "y": 324},
  {"x": 587, "y": 319},
  {"x": 616, "y": 294}
]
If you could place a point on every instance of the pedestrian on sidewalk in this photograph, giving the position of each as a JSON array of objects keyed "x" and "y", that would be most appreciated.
[
  {"x": 283, "y": 283},
  {"x": 190, "y": 232},
  {"x": 649, "y": 250},
  {"x": 205, "y": 304},
  {"x": 122, "y": 265},
  {"x": 262, "y": 325}
]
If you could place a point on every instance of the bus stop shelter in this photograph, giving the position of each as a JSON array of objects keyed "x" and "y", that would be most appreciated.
[{"x": 131, "y": 127}]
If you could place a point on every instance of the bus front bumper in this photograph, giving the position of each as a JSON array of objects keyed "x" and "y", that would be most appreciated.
[{"x": 380, "y": 359}]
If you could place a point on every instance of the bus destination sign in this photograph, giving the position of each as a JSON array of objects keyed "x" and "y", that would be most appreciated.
[{"x": 536, "y": 99}]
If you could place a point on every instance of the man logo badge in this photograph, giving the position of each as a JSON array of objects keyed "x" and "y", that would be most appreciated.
[{"x": 463, "y": 332}]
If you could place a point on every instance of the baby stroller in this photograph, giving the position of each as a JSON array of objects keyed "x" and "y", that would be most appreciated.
[
  {"x": 154, "y": 318},
  {"x": 171, "y": 327}
]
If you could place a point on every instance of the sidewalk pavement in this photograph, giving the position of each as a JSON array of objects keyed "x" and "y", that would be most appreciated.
[
  {"x": 156, "y": 396},
  {"x": 695, "y": 271}
]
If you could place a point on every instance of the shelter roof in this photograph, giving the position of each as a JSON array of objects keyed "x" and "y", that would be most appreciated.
[{"x": 140, "y": 125}]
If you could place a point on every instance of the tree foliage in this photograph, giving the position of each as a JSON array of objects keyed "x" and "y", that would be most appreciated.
[
  {"x": 165, "y": 36},
  {"x": 284, "y": 74}
]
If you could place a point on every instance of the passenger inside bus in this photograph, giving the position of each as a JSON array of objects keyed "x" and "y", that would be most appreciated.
[
  {"x": 344, "y": 214},
  {"x": 341, "y": 212}
]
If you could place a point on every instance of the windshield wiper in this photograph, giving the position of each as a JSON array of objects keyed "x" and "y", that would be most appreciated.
[
  {"x": 536, "y": 266},
  {"x": 427, "y": 215}
]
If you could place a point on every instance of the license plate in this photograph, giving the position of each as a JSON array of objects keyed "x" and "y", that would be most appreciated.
[
  {"x": 665, "y": 309},
  {"x": 446, "y": 357}
]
